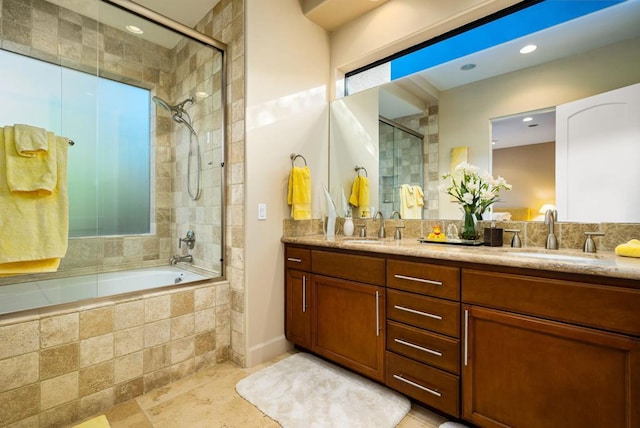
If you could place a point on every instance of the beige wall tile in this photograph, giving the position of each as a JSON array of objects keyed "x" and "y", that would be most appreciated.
[
  {"x": 204, "y": 298},
  {"x": 157, "y": 333},
  {"x": 58, "y": 390},
  {"x": 96, "y": 350},
  {"x": 19, "y": 403},
  {"x": 60, "y": 416},
  {"x": 205, "y": 342},
  {"x": 96, "y": 322},
  {"x": 127, "y": 367},
  {"x": 182, "y": 326},
  {"x": 156, "y": 358},
  {"x": 157, "y": 308},
  {"x": 30, "y": 422},
  {"x": 183, "y": 369},
  {"x": 59, "y": 330},
  {"x": 127, "y": 391},
  {"x": 129, "y": 314},
  {"x": 157, "y": 379},
  {"x": 182, "y": 349},
  {"x": 59, "y": 360},
  {"x": 18, "y": 371},
  {"x": 128, "y": 341},
  {"x": 95, "y": 378},
  {"x": 205, "y": 320},
  {"x": 16, "y": 339},
  {"x": 96, "y": 403},
  {"x": 181, "y": 303}
]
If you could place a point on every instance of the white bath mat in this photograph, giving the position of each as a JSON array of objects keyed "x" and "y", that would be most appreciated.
[{"x": 305, "y": 391}]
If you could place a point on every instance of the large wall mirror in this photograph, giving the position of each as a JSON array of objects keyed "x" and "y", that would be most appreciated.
[{"x": 471, "y": 101}]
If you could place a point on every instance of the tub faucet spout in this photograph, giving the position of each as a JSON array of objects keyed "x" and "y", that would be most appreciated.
[{"x": 177, "y": 259}]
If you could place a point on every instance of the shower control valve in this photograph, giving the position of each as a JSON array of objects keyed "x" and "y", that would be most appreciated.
[{"x": 190, "y": 240}]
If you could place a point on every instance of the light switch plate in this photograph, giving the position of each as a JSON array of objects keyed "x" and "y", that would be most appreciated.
[{"x": 262, "y": 211}]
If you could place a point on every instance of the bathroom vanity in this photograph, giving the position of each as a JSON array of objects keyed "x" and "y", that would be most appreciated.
[{"x": 490, "y": 335}]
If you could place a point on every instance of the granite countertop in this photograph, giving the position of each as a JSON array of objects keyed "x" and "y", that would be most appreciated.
[{"x": 570, "y": 261}]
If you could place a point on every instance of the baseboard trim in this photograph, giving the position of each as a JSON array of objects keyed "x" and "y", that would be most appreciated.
[{"x": 267, "y": 350}]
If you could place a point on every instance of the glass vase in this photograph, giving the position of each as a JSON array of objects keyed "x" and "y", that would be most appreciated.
[{"x": 469, "y": 230}]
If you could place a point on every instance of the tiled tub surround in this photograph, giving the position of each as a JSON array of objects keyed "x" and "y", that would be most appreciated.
[
  {"x": 59, "y": 366},
  {"x": 532, "y": 233}
]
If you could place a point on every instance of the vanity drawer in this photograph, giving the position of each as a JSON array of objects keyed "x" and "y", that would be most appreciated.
[
  {"x": 441, "y": 316},
  {"x": 297, "y": 258},
  {"x": 424, "y": 278},
  {"x": 349, "y": 266},
  {"x": 426, "y": 384},
  {"x": 602, "y": 306},
  {"x": 430, "y": 348}
]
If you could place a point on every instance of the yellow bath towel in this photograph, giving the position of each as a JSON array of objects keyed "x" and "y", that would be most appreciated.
[
  {"x": 630, "y": 249},
  {"x": 32, "y": 266},
  {"x": 34, "y": 228},
  {"x": 360, "y": 194},
  {"x": 30, "y": 140},
  {"x": 299, "y": 194},
  {"x": 35, "y": 171},
  {"x": 411, "y": 201}
]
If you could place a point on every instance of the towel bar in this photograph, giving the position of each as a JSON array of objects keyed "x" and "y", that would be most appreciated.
[
  {"x": 71, "y": 142},
  {"x": 358, "y": 168},
  {"x": 294, "y": 156}
]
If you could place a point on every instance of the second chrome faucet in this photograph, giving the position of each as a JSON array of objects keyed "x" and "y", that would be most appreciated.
[{"x": 550, "y": 218}]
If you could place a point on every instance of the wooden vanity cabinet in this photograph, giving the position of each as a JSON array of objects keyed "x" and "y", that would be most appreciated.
[
  {"x": 335, "y": 307},
  {"x": 297, "y": 293},
  {"x": 423, "y": 333},
  {"x": 525, "y": 366}
]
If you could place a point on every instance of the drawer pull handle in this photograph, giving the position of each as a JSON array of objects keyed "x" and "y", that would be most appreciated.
[
  {"x": 424, "y": 388},
  {"x": 304, "y": 293},
  {"x": 412, "y": 278},
  {"x": 413, "y": 311},
  {"x": 291, "y": 259},
  {"x": 418, "y": 347}
]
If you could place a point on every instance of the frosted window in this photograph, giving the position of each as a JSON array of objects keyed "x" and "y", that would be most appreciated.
[{"x": 109, "y": 166}]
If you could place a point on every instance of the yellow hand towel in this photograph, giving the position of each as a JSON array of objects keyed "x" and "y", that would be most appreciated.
[
  {"x": 354, "y": 198},
  {"x": 419, "y": 195},
  {"x": 363, "y": 193},
  {"x": 35, "y": 228},
  {"x": 30, "y": 140},
  {"x": 34, "y": 173},
  {"x": 299, "y": 195},
  {"x": 630, "y": 249},
  {"x": 97, "y": 422}
]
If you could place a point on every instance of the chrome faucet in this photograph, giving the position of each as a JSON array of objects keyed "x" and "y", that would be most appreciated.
[
  {"x": 550, "y": 217},
  {"x": 398, "y": 233},
  {"x": 381, "y": 231},
  {"x": 174, "y": 260},
  {"x": 190, "y": 240}
]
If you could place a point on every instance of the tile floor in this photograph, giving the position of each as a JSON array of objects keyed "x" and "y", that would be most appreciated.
[{"x": 209, "y": 399}]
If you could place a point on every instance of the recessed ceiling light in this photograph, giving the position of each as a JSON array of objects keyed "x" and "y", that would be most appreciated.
[
  {"x": 527, "y": 119},
  {"x": 202, "y": 94},
  {"x": 528, "y": 49},
  {"x": 468, "y": 67},
  {"x": 133, "y": 29}
]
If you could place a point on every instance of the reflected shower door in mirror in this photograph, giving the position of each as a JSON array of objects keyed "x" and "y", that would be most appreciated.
[
  {"x": 593, "y": 54},
  {"x": 139, "y": 176}
]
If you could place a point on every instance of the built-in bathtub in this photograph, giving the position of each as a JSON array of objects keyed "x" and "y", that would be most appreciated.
[{"x": 52, "y": 292}]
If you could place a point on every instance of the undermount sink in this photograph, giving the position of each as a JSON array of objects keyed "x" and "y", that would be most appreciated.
[
  {"x": 559, "y": 257},
  {"x": 363, "y": 241}
]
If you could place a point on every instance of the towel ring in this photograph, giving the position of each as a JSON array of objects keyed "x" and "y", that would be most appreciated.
[
  {"x": 294, "y": 156},
  {"x": 358, "y": 168}
]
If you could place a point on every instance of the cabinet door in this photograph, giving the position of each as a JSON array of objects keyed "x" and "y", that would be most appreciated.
[
  {"x": 348, "y": 324},
  {"x": 526, "y": 372},
  {"x": 298, "y": 320}
]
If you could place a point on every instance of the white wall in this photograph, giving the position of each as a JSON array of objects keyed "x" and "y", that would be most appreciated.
[{"x": 287, "y": 74}]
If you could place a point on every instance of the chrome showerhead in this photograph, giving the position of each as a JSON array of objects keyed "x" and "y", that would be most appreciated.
[{"x": 177, "y": 111}]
